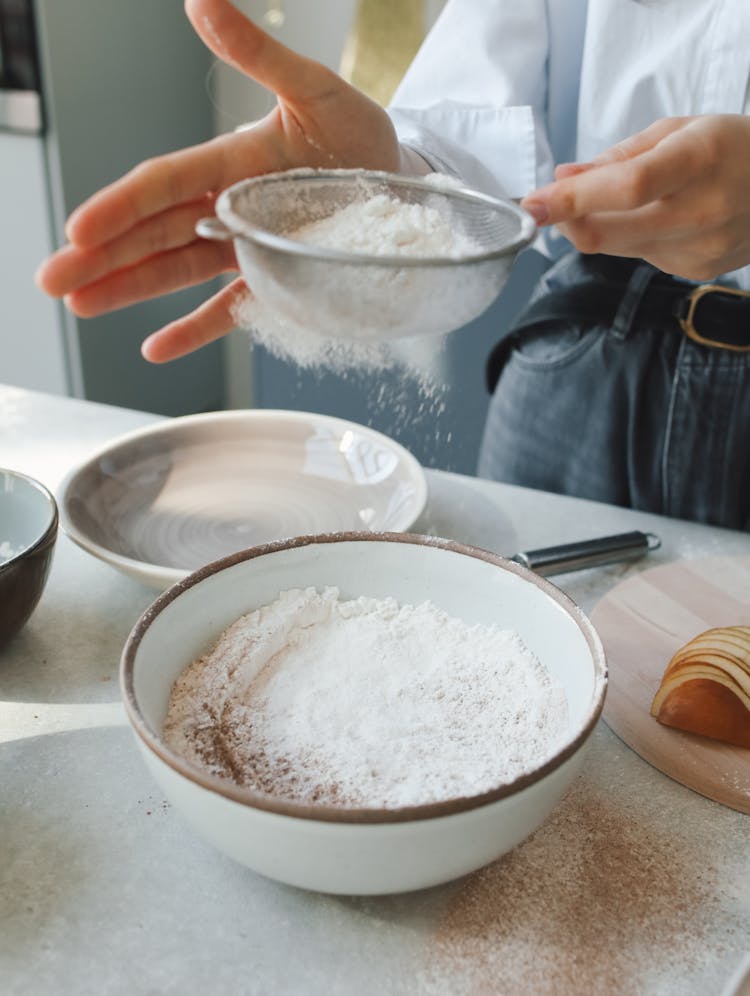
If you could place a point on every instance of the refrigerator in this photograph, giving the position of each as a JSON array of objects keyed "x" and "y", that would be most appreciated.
[{"x": 89, "y": 88}]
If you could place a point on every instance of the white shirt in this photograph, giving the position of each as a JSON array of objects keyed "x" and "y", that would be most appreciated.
[{"x": 502, "y": 90}]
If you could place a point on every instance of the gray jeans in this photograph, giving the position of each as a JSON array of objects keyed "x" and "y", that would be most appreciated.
[{"x": 629, "y": 412}]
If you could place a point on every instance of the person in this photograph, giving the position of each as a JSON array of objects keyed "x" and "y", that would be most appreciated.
[{"x": 623, "y": 128}]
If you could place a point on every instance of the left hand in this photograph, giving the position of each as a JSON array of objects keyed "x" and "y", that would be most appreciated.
[
  {"x": 135, "y": 239},
  {"x": 676, "y": 195}
]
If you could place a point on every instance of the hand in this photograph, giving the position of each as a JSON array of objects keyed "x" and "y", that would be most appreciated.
[
  {"x": 136, "y": 238},
  {"x": 675, "y": 195}
]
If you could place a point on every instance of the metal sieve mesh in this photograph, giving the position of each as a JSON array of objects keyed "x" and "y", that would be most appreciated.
[{"x": 360, "y": 295}]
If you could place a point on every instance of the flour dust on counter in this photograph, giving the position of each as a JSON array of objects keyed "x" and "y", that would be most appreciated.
[{"x": 595, "y": 902}]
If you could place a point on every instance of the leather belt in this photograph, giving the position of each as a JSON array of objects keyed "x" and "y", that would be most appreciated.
[
  {"x": 723, "y": 306},
  {"x": 713, "y": 315}
]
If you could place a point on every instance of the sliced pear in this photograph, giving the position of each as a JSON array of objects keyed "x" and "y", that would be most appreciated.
[
  {"x": 706, "y": 686},
  {"x": 713, "y": 662}
]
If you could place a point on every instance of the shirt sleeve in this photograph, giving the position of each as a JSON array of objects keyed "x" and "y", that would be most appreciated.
[{"x": 473, "y": 103}]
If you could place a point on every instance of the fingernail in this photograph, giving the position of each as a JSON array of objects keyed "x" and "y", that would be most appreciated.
[{"x": 537, "y": 210}]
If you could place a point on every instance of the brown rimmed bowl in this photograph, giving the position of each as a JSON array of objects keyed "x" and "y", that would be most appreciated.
[
  {"x": 362, "y": 851},
  {"x": 28, "y": 533}
]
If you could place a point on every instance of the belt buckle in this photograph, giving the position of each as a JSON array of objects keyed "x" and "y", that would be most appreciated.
[{"x": 692, "y": 301}]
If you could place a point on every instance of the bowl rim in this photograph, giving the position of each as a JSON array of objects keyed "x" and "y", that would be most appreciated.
[
  {"x": 50, "y": 530},
  {"x": 269, "y": 803},
  {"x": 240, "y": 227},
  {"x": 170, "y": 575}
]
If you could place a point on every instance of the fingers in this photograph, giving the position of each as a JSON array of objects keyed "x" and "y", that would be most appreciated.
[
  {"x": 210, "y": 321},
  {"x": 694, "y": 214},
  {"x": 614, "y": 187},
  {"x": 641, "y": 142},
  {"x": 154, "y": 276},
  {"x": 150, "y": 188},
  {"x": 675, "y": 195},
  {"x": 702, "y": 255},
  {"x": 292, "y": 136},
  {"x": 650, "y": 166},
  {"x": 564, "y": 170},
  {"x": 238, "y": 41},
  {"x": 71, "y": 267}
]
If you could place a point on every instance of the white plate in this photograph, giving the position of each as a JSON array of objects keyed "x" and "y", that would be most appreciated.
[{"x": 162, "y": 501}]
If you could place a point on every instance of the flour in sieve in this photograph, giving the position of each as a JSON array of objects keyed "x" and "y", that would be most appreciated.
[
  {"x": 365, "y": 702},
  {"x": 384, "y": 226},
  {"x": 378, "y": 225}
]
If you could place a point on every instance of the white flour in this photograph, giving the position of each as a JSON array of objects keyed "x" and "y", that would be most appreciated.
[
  {"x": 335, "y": 334},
  {"x": 365, "y": 703},
  {"x": 384, "y": 226}
]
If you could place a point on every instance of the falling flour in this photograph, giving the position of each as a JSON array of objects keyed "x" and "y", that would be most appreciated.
[{"x": 365, "y": 702}]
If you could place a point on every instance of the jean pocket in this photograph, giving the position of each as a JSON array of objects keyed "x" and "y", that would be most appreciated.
[{"x": 553, "y": 344}]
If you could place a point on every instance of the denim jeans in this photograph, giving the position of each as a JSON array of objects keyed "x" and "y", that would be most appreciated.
[{"x": 627, "y": 412}]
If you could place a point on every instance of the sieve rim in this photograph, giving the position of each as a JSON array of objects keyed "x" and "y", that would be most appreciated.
[{"x": 241, "y": 228}]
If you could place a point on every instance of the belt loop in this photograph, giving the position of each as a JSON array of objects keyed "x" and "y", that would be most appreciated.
[{"x": 631, "y": 299}]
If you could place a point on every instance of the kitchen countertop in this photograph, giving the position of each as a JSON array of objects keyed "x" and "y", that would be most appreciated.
[{"x": 635, "y": 884}]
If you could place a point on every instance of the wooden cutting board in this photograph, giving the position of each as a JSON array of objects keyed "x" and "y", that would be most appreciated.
[{"x": 642, "y": 623}]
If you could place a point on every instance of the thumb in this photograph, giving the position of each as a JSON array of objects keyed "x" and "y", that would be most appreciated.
[{"x": 236, "y": 40}]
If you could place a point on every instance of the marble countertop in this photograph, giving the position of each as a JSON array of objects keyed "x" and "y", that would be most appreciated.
[{"x": 636, "y": 884}]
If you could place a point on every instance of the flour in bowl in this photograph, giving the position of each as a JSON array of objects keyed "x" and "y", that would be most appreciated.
[{"x": 365, "y": 703}]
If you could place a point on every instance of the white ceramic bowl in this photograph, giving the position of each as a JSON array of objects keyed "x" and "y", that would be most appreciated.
[
  {"x": 28, "y": 533},
  {"x": 362, "y": 851},
  {"x": 162, "y": 501}
]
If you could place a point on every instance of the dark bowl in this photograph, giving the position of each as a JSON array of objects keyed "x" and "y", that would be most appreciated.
[{"x": 28, "y": 531}]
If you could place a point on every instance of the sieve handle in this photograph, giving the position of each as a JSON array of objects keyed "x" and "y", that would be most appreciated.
[
  {"x": 212, "y": 228},
  {"x": 588, "y": 553}
]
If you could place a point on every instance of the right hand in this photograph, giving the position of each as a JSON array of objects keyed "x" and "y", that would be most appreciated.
[{"x": 135, "y": 239}]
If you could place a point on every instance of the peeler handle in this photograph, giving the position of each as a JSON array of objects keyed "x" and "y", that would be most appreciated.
[{"x": 588, "y": 553}]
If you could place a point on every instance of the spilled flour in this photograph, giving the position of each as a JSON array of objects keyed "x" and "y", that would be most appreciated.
[
  {"x": 365, "y": 702},
  {"x": 596, "y": 902}
]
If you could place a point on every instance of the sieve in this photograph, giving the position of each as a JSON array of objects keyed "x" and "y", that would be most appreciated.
[{"x": 348, "y": 295}]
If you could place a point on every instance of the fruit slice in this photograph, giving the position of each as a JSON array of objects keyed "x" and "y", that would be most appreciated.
[{"x": 706, "y": 687}]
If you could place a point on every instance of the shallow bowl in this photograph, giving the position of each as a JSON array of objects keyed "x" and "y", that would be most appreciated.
[
  {"x": 162, "y": 501},
  {"x": 28, "y": 532},
  {"x": 362, "y": 851}
]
